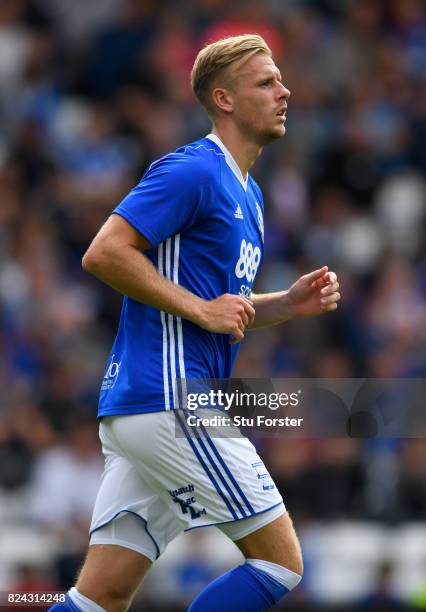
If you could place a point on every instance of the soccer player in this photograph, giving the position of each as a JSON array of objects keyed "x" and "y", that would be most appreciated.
[{"x": 184, "y": 248}]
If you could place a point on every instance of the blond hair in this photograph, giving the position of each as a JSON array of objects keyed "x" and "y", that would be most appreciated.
[{"x": 215, "y": 57}]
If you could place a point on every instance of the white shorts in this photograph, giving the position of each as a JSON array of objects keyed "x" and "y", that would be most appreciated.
[{"x": 156, "y": 484}]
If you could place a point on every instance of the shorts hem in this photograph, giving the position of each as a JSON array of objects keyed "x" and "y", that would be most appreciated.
[
  {"x": 124, "y": 544},
  {"x": 281, "y": 503},
  {"x": 134, "y": 514}
]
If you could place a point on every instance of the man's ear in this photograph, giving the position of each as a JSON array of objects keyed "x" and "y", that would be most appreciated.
[{"x": 223, "y": 99}]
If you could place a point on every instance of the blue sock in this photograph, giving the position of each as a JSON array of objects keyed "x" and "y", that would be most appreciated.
[
  {"x": 243, "y": 589},
  {"x": 65, "y": 606}
]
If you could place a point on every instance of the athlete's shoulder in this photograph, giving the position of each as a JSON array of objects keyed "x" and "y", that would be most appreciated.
[{"x": 198, "y": 160}]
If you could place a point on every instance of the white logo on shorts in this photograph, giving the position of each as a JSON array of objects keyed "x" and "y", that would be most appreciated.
[{"x": 263, "y": 476}]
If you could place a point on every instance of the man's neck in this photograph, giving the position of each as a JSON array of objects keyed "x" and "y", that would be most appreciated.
[{"x": 243, "y": 151}]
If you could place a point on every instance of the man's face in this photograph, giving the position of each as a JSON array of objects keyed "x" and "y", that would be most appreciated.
[{"x": 259, "y": 99}]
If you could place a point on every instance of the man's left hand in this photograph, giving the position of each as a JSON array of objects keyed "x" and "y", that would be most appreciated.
[{"x": 314, "y": 293}]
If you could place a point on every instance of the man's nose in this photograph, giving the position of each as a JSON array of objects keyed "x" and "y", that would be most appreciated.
[{"x": 285, "y": 93}]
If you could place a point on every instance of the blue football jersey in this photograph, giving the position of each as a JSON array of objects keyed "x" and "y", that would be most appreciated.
[{"x": 205, "y": 226}]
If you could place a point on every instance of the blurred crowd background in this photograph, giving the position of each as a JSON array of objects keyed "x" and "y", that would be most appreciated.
[{"x": 90, "y": 93}]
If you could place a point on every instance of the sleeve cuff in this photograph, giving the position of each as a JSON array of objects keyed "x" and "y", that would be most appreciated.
[{"x": 145, "y": 232}]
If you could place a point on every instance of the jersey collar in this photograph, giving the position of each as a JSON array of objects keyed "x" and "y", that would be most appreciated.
[{"x": 229, "y": 160}]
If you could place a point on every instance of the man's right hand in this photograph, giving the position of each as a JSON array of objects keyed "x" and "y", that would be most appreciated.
[{"x": 228, "y": 314}]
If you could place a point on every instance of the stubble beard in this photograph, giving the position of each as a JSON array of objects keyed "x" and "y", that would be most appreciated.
[
  {"x": 261, "y": 135},
  {"x": 268, "y": 136}
]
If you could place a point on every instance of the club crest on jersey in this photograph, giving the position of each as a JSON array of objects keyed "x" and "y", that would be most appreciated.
[
  {"x": 260, "y": 221},
  {"x": 238, "y": 214}
]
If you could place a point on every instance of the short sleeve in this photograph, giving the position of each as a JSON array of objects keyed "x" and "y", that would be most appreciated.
[{"x": 168, "y": 199}]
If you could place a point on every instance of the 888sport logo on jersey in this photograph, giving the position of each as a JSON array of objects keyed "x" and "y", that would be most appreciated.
[{"x": 247, "y": 265}]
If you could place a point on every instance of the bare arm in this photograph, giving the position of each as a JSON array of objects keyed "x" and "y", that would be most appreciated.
[
  {"x": 312, "y": 294},
  {"x": 116, "y": 258},
  {"x": 271, "y": 309}
]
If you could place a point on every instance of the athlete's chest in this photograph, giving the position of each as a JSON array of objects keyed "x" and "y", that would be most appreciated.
[
  {"x": 235, "y": 215},
  {"x": 233, "y": 236}
]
